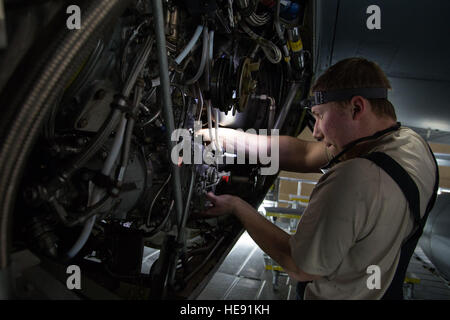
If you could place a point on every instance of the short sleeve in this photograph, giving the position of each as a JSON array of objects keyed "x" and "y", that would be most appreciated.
[{"x": 333, "y": 219}]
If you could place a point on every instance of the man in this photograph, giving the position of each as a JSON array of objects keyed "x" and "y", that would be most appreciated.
[{"x": 358, "y": 216}]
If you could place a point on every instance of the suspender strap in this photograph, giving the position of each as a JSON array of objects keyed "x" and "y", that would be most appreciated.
[
  {"x": 411, "y": 192},
  {"x": 403, "y": 180}
]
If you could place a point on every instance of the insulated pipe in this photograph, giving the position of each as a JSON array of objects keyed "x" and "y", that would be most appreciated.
[
  {"x": 167, "y": 101},
  {"x": 97, "y": 193},
  {"x": 209, "y": 60},
  {"x": 137, "y": 67},
  {"x": 287, "y": 106},
  {"x": 203, "y": 60},
  {"x": 129, "y": 132},
  {"x": 190, "y": 45},
  {"x": 104, "y": 132},
  {"x": 111, "y": 122},
  {"x": 216, "y": 123},
  {"x": 211, "y": 46},
  {"x": 115, "y": 150},
  {"x": 210, "y": 126}
]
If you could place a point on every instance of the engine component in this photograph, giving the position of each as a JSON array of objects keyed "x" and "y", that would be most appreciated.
[
  {"x": 136, "y": 179},
  {"x": 97, "y": 108},
  {"x": 127, "y": 246},
  {"x": 221, "y": 88},
  {"x": 92, "y": 167},
  {"x": 296, "y": 46},
  {"x": 207, "y": 179},
  {"x": 42, "y": 235},
  {"x": 246, "y": 83},
  {"x": 172, "y": 19}
]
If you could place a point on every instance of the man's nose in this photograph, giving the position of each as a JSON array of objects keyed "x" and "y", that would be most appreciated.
[{"x": 317, "y": 134}]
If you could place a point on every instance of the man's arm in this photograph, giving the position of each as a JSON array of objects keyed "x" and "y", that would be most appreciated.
[
  {"x": 270, "y": 238},
  {"x": 294, "y": 154},
  {"x": 301, "y": 155}
]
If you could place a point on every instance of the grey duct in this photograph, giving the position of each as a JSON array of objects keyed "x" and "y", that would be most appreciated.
[
  {"x": 435, "y": 240},
  {"x": 167, "y": 101}
]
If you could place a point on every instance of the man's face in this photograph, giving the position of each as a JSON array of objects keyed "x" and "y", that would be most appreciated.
[{"x": 333, "y": 126}]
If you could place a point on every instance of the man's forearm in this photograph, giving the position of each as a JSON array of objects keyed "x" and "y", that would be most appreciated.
[
  {"x": 270, "y": 238},
  {"x": 292, "y": 154},
  {"x": 236, "y": 141}
]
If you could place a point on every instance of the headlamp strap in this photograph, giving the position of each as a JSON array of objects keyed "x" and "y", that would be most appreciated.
[{"x": 321, "y": 97}]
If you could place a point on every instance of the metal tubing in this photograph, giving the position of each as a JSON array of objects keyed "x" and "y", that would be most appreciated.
[
  {"x": 287, "y": 106},
  {"x": 167, "y": 101},
  {"x": 181, "y": 234}
]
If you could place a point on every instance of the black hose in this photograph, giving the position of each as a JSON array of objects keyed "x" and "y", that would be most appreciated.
[{"x": 90, "y": 212}]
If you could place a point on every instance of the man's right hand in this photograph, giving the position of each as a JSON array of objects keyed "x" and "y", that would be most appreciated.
[{"x": 222, "y": 204}]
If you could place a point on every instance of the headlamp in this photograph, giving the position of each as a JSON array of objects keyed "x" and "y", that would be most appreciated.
[{"x": 321, "y": 97}]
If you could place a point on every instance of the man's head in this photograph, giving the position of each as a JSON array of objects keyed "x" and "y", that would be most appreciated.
[{"x": 341, "y": 122}]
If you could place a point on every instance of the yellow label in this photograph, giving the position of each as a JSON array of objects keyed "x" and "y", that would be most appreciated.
[
  {"x": 271, "y": 267},
  {"x": 283, "y": 215},
  {"x": 296, "y": 46}
]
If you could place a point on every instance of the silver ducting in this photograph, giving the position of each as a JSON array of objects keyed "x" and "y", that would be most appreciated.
[{"x": 435, "y": 241}]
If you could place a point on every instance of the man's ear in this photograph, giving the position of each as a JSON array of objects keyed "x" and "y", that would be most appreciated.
[{"x": 358, "y": 106}]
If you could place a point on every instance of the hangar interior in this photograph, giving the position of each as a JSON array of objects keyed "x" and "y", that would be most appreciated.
[{"x": 85, "y": 151}]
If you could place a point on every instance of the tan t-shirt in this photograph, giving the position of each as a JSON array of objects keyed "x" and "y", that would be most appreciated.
[{"x": 358, "y": 216}]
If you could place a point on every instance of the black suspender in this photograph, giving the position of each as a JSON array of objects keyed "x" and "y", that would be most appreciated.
[
  {"x": 411, "y": 192},
  {"x": 403, "y": 180}
]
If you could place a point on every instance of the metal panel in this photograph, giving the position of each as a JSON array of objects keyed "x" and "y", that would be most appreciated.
[{"x": 410, "y": 47}]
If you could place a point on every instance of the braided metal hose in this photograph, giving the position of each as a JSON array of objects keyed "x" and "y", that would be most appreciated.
[{"x": 73, "y": 46}]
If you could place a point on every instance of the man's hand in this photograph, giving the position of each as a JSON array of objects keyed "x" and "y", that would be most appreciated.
[{"x": 222, "y": 205}]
